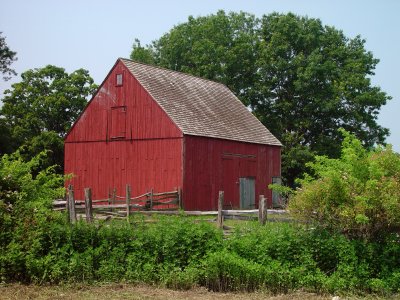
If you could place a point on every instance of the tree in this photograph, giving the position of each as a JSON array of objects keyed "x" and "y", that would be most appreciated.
[
  {"x": 312, "y": 81},
  {"x": 142, "y": 54},
  {"x": 302, "y": 79},
  {"x": 357, "y": 194},
  {"x": 220, "y": 47},
  {"x": 39, "y": 110},
  {"x": 6, "y": 140},
  {"x": 7, "y": 57}
]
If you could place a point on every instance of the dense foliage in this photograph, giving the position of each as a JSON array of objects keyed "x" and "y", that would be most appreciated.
[
  {"x": 7, "y": 57},
  {"x": 38, "y": 111},
  {"x": 38, "y": 245},
  {"x": 25, "y": 206},
  {"x": 178, "y": 253},
  {"x": 284, "y": 257},
  {"x": 357, "y": 194},
  {"x": 302, "y": 79}
]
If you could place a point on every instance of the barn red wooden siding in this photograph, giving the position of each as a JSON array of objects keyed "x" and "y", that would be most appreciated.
[
  {"x": 215, "y": 164},
  {"x": 123, "y": 137}
]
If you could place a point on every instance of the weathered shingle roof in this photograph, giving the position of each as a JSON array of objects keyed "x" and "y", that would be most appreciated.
[{"x": 200, "y": 107}]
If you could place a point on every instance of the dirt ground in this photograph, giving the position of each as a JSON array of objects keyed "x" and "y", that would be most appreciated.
[
  {"x": 126, "y": 291},
  {"x": 140, "y": 292}
]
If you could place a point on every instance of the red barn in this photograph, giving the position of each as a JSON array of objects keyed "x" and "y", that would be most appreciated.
[{"x": 155, "y": 128}]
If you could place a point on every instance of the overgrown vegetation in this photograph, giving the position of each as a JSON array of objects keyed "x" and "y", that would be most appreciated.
[
  {"x": 283, "y": 257},
  {"x": 357, "y": 194},
  {"x": 38, "y": 245}
]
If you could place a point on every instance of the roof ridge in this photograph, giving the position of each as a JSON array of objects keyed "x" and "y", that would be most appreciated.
[
  {"x": 174, "y": 71},
  {"x": 199, "y": 106}
]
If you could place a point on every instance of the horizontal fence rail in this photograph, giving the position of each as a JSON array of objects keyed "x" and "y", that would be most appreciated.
[
  {"x": 149, "y": 203},
  {"x": 117, "y": 206}
]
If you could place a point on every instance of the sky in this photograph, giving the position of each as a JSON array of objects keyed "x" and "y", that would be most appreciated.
[{"x": 93, "y": 34}]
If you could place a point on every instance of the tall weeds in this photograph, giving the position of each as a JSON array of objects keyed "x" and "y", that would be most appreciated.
[{"x": 38, "y": 245}]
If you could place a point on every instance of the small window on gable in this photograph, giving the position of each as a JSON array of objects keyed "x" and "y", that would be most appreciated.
[{"x": 119, "y": 79}]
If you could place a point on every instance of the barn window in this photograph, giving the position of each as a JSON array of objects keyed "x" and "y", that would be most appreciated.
[
  {"x": 119, "y": 79},
  {"x": 118, "y": 122}
]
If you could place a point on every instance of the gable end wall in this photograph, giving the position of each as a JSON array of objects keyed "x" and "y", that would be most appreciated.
[{"x": 123, "y": 137}]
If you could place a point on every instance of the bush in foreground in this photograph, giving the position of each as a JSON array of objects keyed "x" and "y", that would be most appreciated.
[
  {"x": 38, "y": 245},
  {"x": 287, "y": 257},
  {"x": 357, "y": 194}
]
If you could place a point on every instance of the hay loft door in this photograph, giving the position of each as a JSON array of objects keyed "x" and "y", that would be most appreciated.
[{"x": 117, "y": 130}]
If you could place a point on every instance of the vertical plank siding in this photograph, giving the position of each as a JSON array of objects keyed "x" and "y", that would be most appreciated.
[
  {"x": 115, "y": 164},
  {"x": 144, "y": 152},
  {"x": 214, "y": 164},
  {"x": 144, "y": 118},
  {"x": 124, "y": 137}
]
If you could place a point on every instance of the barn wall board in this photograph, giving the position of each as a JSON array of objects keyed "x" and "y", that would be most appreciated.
[
  {"x": 123, "y": 137},
  {"x": 212, "y": 165}
]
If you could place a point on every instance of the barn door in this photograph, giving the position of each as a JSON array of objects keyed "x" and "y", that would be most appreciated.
[
  {"x": 247, "y": 192},
  {"x": 230, "y": 184}
]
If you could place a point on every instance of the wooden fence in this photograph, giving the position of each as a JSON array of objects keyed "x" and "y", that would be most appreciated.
[
  {"x": 117, "y": 206},
  {"x": 261, "y": 213},
  {"x": 167, "y": 203}
]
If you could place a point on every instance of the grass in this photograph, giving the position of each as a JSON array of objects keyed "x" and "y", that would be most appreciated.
[
  {"x": 144, "y": 292},
  {"x": 135, "y": 292}
]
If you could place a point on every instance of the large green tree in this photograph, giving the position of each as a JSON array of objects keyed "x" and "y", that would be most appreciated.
[
  {"x": 220, "y": 47},
  {"x": 7, "y": 57},
  {"x": 313, "y": 80},
  {"x": 38, "y": 111},
  {"x": 302, "y": 79}
]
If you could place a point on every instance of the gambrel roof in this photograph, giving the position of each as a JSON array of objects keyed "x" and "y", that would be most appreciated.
[{"x": 200, "y": 107}]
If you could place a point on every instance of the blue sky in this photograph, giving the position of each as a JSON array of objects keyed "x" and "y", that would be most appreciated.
[{"x": 93, "y": 34}]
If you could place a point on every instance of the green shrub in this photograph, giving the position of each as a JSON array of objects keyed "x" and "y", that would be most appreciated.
[
  {"x": 26, "y": 197},
  {"x": 173, "y": 243},
  {"x": 393, "y": 281},
  {"x": 12, "y": 263},
  {"x": 179, "y": 279},
  {"x": 226, "y": 271},
  {"x": 39, "y": 245},
  {"x": 278, "y": 241},
  {"x": 357, "y": 194},
  {"x": 315, "y": 259}
]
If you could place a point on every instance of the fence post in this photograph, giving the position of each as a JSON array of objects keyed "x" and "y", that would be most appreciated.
[
  {"x": 220, "y": 219},
  {"x": 180, "y": 198},
  {"x": 88, "y": 205},
  {"x": 128, "y": 201},
  {"x": 262, "y": 210},
  {"x": 71, "y": 204},
  {"x": 151, "y": 198},
  {"x": 114, "y": 196},
  {"x": 265, "y": 210}
]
